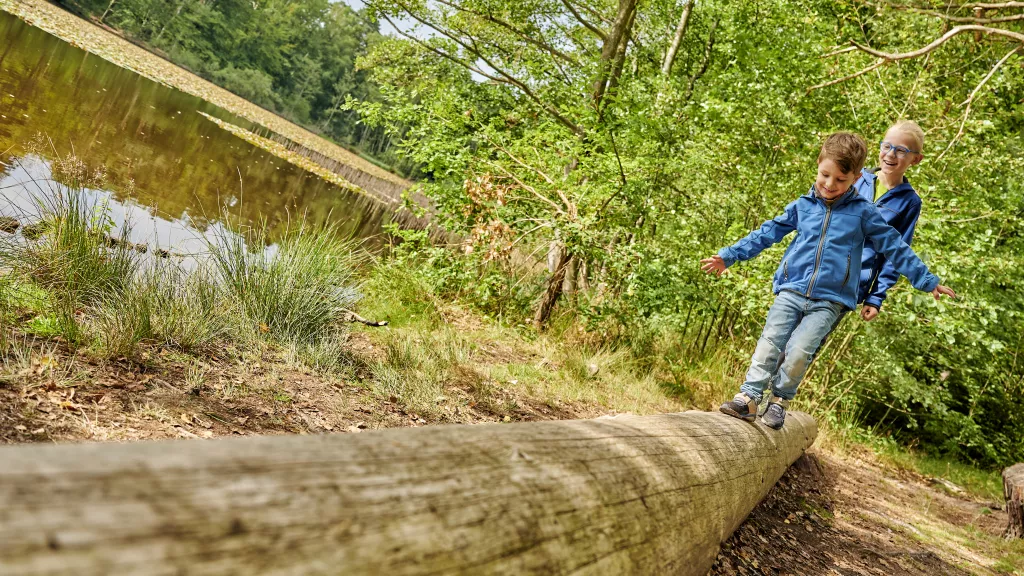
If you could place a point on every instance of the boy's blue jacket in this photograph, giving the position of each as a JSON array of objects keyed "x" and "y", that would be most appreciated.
[
  {"x": 823, "y": 262},
  {"x": 900, "y": 208}
]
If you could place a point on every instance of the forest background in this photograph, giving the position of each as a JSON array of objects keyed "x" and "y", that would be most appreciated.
[{"x": 622, "y": 140}]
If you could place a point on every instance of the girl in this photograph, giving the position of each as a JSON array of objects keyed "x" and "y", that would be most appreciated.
[{"x": 888, "y": 188}]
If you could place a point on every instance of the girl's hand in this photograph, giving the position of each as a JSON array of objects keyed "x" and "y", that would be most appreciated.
[
  {"x": 940, "y": 289},
  {"x": 715, "y": 265},
  {"x": 868, "y": 313}
]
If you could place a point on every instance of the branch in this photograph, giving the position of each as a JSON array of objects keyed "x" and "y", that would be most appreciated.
[
  {"x": 975, "y": 19},
  {"x": 589, "y": 9},
  {"x": 880, "y": 62},
  {"x": 622, "y": 176},
  {"x": 838, "y": 52},
  {"x": 1001, "y": 6},
  {"x": 444, "y": 54},
  {"x": 970, "y": 99},
  {"x": 939, "y": 42},
  {"x": 542, "y": 45},
  {"x": 703, "y": 65},
  {"x": 508, "y": 78},
  {"x": 583, "y": 21},
  {"x": 525, "y": 186},
  {"x": 351, "y": 316}
]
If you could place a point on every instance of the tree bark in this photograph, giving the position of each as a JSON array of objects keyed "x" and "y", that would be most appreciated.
[
  {"x": 624, "y": 495},
  {"x": 1013, "y": 489},
  {"x": 677, "y": 40},
  {"x": 619, "y": 33},
  {"x": 553, "y": 291},
  {"x": 572, "y": 272}
]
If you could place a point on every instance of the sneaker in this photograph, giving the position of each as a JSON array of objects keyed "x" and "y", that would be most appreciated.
[
  {"x": 775, "y": 414},
  {"x": 741, "y": 406}
]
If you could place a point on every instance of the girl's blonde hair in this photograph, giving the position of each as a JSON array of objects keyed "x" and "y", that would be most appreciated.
[{"x": 910, "y": 128}]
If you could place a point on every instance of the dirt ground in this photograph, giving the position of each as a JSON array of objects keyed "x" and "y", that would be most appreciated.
[
  {"x": 848, "y": 517},
  {"x": 829, "y": 515},
  {"x": 54, "y": 395}
]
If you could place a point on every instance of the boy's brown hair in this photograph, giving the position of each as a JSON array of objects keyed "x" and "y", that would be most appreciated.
[{"x": 846, "y": 149}]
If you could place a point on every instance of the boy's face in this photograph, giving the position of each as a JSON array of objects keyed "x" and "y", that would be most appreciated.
[
  {"x": 889, "y": 163},
  {"x": 832, "y": 182}
]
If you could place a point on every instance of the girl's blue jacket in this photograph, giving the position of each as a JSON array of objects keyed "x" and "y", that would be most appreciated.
[
  {"x": 900, "y": 208},
  {"x": 823, "y": 262}
]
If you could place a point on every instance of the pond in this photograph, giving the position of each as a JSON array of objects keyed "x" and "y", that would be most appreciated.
[{"x": 147, "y": 148}]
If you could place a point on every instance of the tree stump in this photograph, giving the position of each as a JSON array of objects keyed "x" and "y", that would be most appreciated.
[
  {"x": 624, "y": 495},
  {"x": 1013, "y": 489}
]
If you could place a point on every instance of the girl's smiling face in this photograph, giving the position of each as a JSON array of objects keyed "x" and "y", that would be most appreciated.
[
  {"x": 889, "y": 163},
  {"x": 832, "y": 182}
]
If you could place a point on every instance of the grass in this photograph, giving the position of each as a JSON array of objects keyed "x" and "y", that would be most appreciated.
[
  {"x": 80, "y": 284},
  {"x": 841, "y": 433},
  {"x": 294, "y": 289}
]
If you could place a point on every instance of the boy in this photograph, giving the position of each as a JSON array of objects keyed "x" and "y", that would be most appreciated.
[{"x": 818, "y": 277}]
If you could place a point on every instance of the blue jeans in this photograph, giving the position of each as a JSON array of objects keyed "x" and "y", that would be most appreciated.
[{"x": 793, "y": 332}]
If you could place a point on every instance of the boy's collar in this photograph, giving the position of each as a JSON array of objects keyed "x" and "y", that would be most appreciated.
[{"x": 845, "y": 195}]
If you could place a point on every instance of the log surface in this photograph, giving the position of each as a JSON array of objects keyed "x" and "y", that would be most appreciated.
[
  {"x": 1013, "y": 489},
  {"x": 623, "y": 495}
]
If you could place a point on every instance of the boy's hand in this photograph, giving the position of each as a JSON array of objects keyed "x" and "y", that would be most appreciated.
[
  {"x": 715, "y": 265},
  {"x": 868, "y": 313},
  {"x": 940, "y": 289}
]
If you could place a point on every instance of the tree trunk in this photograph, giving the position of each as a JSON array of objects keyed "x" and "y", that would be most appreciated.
[
  {"x": 625, "y": 495},
  {"x": 619, "y": 33},
  {"x": 553, "y": 291},
  {"x": 572, "y": 272},
  {"x": 1013, "y": 489},
  {"x": 677, "y": 40},
  {"x": 110, "y": 7}
]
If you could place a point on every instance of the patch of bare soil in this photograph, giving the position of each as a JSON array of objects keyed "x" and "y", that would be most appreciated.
[
  {"x": 57, "y": 395},
  {"x": 836, "y": 517}
]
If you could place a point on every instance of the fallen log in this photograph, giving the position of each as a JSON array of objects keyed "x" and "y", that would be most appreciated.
[
  {"x": 624, "y": 495},
  {"x": 1013, "y": 489}
]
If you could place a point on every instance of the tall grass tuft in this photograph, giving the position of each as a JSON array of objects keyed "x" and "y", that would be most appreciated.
[
  {"x": 121, "y": 321},
  {"x": 70, "y": 256},
  {"x": 294, "y": 290},
  {"x": 73, "y": 258},
  {"x": 186, "y": 306}
]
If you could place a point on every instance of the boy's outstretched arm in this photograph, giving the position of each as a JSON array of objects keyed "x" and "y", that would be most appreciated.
[
  {"x": 771, "y": 232},
  {"x": 888, "y": 242}
]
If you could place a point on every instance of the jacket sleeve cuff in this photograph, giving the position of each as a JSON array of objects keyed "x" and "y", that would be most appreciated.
[
  {"x": 929, "y": 283},
  {"x": 727, "y": 255},
  {"x": 874, "y": 301}
]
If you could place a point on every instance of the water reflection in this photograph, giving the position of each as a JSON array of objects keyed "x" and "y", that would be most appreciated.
[{"x": 168, "y": 168}]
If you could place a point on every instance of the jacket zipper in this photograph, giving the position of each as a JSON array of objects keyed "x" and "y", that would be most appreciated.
[
  {"x": 847, "y": 277},
  {"x": 817, "y": 255},
  {"x": 874, "y": 281},
  {"x": 785, "y": 270}
]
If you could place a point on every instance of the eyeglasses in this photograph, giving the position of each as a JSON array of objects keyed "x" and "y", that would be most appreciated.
[{"x": 898, "y": 151}]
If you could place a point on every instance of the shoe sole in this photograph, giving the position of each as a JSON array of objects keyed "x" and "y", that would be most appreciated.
[
  {"x": 735, "y": 414},
  {"x": 779, "y": 427}
]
